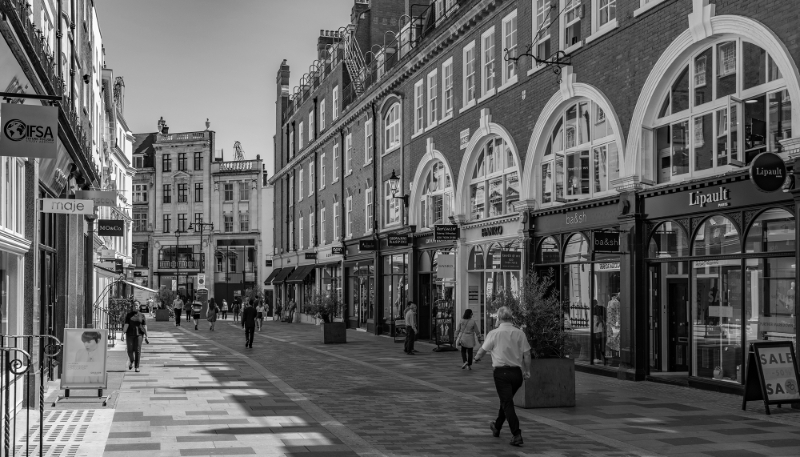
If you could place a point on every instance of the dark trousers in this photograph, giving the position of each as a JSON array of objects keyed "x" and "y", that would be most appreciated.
[
  {"x": 178, "y": 316},
  {"x": 507, "y": 381},
  {"x": 248, "y": 334},
  {"x": 466, "y": 355},
  {"x": 134, "y": 345},
  {"x": 410, "y": 336},
  {"x": 224, "y": 314}
]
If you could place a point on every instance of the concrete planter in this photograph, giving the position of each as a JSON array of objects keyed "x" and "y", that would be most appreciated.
[
  {"x": 334, "y": 333},
  {"x": 552, "y": 385},
  {"x": 162, "y": 315}
]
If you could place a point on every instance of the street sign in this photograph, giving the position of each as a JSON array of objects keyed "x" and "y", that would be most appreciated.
[
  {"x": 445, "y": 232},
  {"x": 100, "y": 197},
  {"x": 768, "y": 172},
  {"x": 510, "y": 260},
  {"x": 397, "y": 240},
  {"x": 337, "y": 250},
  {"x": 606, "y": 241},
  {"x": 65, "y": 206},
  {"x": 367, "y": 245},
  {"x": 29, "y": 131},
  {"x": 109, "y": 227}
]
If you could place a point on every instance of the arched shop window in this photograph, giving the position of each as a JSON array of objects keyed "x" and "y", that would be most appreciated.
[
  {"x": 717, "y": 235},
  {"x": 668, "y": 240},
  {"x": 773, "y": 230},
  {"x": 494, "y": 184},
  {"x": 437, "y": 196},
  {"x": 487, "y": 275},
  {"x": 727, "y": 104},
  {"x": 581, "y": 156},
  {"x": 548, "y": 252}
]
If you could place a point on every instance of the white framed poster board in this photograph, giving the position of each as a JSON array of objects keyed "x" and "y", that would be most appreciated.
[{"x": 84, "y": 359}]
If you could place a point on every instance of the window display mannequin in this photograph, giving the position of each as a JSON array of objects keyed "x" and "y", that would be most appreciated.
[{"x": 612, "y": 326}]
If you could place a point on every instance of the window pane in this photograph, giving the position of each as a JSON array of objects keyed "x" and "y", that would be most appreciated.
[
  {"x": 496, "y": 197},
  {"x": 754, "y": 60},
  {"x": 572, "y": 114},
  {"x": 547, "y": 182},
  {"x": 613, "y": 163},
  {"x": 680, "y": 92},
  {"x": 722, "y": 137},
  {"x": 583, "y": 127},
  {"x": 602, "y": 128},
  {"x": 558, "y": 136},
  {"x": 703, "y": 145},
  {"x": 755, "y": 127},
  {"x": 770, "y": 304},
  {"x": 491, "y": 158},
  {"x": 680, "y": 148},
  {"x": 716, "y": 236},
  {"x": 512, "y": 191},
  {"x": 702, "y": 84},
  {"x": 576, "y": 285},
  {"x": 726, "y": 69},
  {"x": 780, "y": 119},
  {"x": 600, "y": 169},
  {"x": 476, "y": 259},
  {"x": 559, "y": 180},
  {"x": 578, "y": 173},
  {"x": 477, "y": 200},
  {"x": 669, "y": 240},
  {"x": 772, "y": 231},
  {"x": 436, "y": 209},
  {"x": 577, "y": 249},
  {"x": 664, "y": 159},
  {"x": 478, "y": 167},
  {"x": 548, "y": 251}
]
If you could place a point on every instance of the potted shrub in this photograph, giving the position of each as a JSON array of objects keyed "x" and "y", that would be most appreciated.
[
  {"x": 537, "y": 311},
  {"x": 165, "y": 296},
  {"x": 326, "y": 306}
]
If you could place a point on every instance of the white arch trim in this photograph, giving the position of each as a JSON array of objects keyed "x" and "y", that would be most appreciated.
[
  {"x": 540, "y": 134},
  {"x": 676, "y": 54},
  {"x": 430, "y": 157},
  {"x": 487, "y": 128}
]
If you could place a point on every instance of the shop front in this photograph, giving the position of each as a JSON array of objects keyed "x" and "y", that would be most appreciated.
[
  {"x": 329, "y": 273},
  {"x": 721, "y": 274},
  {"x": 303, "y": 281},
  {"x": 397, "y": 280},
  {"x": 360, "y": 286},
  {"x": 578, "y": 246},
  {"x": 434, "y": 264}
]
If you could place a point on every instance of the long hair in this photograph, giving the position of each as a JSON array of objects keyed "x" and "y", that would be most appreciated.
[{"x": 468, "y": 314}]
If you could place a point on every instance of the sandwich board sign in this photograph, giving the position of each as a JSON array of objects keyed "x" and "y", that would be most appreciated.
[
  {"x": 84, "y": 359},
  {"x": 771, "y": 374}
]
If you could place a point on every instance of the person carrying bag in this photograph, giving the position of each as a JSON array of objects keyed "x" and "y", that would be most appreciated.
[{"x": 467, "y": 338}]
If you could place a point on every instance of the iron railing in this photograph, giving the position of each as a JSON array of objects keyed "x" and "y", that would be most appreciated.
[{"x": 22, "y": 378}]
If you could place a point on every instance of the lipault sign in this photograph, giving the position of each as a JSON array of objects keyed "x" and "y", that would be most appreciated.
[{"x": 768, "y": 172}]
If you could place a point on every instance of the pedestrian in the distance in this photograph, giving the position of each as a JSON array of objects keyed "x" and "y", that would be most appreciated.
[
  {"x": 260, "y": 315},
  {"x": 177, "y": 308},
  {"x": 511, "y": 360},
  {"x": 467, "y": 338},
  {"x": 187, "y": 308},
  {"x": 135, "y": 329},
  {"x": 212, "y": 312},
  {"x": 411, "y": 328},
  {"x": 236, "y": 309},
  {"x": 292, "y": 309},
  {"x": 197, "y": 307},
  {"x": 249, "y": 324},
  {"x": 224, "y": 309},
  {"x": 277, "y": 314}
]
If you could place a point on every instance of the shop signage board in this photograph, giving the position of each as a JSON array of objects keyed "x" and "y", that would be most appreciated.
[
  {"x": 337, "y": 250},
  {"x": 100, "y": 197},
  {"x": 445, "y": 232},
  {"x": 575, "y": 219},
  {"x": 397, "y": 240},
  {"x": 606, "y": 241},
  {"x": 311, "y": 255},
  {"x": 768, "y": 172},
  {"x": 118, "y": 266},
  {"x": 367, "y": 245},
  {"x": 29, "y": 131},
  {"x": 268, "y": 263},
  {"x": 497, "y": 230},
  {"x": 110, "y": 227},
  {"x": 446, "y": 266},
  {"x": 771, "y": 374},
  {"x": 65, "y": 206},
  {"x": 510, "y": 260},
  {"x": 84, "y": 359},
  {"x": 201, "y": 280}
]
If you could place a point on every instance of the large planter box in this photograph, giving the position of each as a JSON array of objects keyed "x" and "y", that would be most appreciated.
[
  {"x": 552, "y": 385},
  {"x": 162, "y": 315},
  {"x": 334, "y": 333}
]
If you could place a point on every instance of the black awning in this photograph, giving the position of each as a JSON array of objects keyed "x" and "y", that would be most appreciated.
[
  {"x": 280, "y": 277},
  {"x": 300, "y": 274},
  {"x": 271, "y": 276}
]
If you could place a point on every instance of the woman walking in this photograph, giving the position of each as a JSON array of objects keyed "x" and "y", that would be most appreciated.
[
  {"x": 236, "y": 310},
  {"x": 224, "y": 309},
  {"x": 135, "y": 329},
  {"x": 260, "y": 315},
  {"x": 213, "y": 310},
  {"x": 467, "y": 338},
  {"x": 196, "y": 308}
]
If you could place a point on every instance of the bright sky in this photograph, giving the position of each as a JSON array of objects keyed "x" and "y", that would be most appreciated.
[{"x": 189, "y": 60}]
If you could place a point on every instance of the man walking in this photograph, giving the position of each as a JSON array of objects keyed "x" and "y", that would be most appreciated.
[
  {"x": 411, "y": 328},
  {"x": 177, "y": 308},
  {"x": 249, "y": 324},
  {"x": 511, "y": 360}
]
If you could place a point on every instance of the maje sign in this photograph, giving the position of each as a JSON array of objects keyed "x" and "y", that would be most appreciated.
[
  {"x": 64, "y": 206},
  {"x": 29, "y": 131}
]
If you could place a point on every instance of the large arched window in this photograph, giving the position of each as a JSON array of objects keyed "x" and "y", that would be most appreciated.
[
  {"x": 727, "y": 104},
  {"x": 436, "y": 200},
  {"x": 716, "y": 236},
  {"x": 494, "y": 184},
  {"x": 391, "y": 125},
  {"x": 581, "y": 156},
  {"x": 668, "y": 240},
  {"x": 773, "y": 230}
]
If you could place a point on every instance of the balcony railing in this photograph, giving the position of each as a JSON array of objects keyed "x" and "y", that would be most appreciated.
[
  {"x": 190, "y": 136},
  {"x": 182, "y": 264}
]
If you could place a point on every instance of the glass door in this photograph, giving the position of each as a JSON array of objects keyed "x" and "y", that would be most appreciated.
[{"x": 426, "y": 292}]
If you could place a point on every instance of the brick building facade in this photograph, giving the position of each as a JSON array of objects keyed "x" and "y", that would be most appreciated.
[{"x": 660, "y": 100}]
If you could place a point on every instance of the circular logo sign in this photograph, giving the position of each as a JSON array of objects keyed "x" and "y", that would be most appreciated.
[
  {"x": 15, "y": 130},
  {"x": 768, "y": 172}
]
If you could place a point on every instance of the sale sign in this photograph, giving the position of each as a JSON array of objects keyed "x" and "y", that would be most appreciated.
[{"x": 777, "y": 365}]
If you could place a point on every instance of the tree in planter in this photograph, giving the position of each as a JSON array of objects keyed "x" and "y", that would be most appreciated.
[
  {"x": 166, "y": 296},
  {"x": 325, "y": 306},
  {"x": 251, "y": 294}
]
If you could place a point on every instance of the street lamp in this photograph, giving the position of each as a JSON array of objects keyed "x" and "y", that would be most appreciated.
[
  {"x": 394, "y": 186},
  {"x": 202, "y": 226},
  {"x": 178, "y": 234}
]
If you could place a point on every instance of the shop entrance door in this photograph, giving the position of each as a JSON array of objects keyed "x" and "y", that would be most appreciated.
[
  {"x": 678, "y": 328},
  {"x": 426, "y": 298}
]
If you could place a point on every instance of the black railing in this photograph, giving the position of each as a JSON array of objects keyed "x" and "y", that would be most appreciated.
[
  {"x": 185, "y": 264},
  {"x": 22, "y": 378}
]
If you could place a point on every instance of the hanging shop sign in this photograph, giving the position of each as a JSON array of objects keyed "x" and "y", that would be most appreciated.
[
  {"x": 64, "y": 206},
  {"x": 111, "y": 227},
  {"x": 510, "y": 260},
  {"x": 268, "y": 263},
  {"x": 606, "y": 241},
  {"x": 446, "y": 266},
  {"x": 119, "y": 267},
  {"x": 337, "y": 250},
  {"x": 367, "y": 245},
  {"x": 84, "y": 365},
  {"x": 768, "y": 172},
  {"x": 771, "y": 374},
  {"x": 311, "y": 255},
  {"x": 29, "y": 131},
  {"x": 100, "y": 197},
  {"x": 201, "y": 280},
  {"x": 445, "y": 232},
  {"x": 397, "y": 240}
]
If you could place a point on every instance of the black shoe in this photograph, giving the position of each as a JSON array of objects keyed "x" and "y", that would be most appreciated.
[
  {"x": 195, "y": 326},
  {"x": 410, "y": 353},
  {"x": 495, "y": 431},
  {"x": 517, "y": 440}
]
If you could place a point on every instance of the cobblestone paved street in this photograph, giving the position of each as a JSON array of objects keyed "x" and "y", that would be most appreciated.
[{"x": 204, "y": 393}]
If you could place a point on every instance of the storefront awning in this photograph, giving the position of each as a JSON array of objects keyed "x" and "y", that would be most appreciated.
[
  {"x": 300, "y": 274},
  {"x": 272, "y": 276},
  {"x": 281, "y": 277},
  {"x": 146, "y": 289}
]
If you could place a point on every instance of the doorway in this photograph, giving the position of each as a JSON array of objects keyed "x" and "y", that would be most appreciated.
[
  {"x": 678, "y": 327},
  {"x": 669, "y": 317},
  {"x": 426, "y": 292}
]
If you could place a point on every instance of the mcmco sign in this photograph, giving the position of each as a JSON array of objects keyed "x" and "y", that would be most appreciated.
[{"x": 28, "y": 131}]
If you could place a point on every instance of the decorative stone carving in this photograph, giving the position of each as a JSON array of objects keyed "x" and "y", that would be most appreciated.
[{"x": 700, "y": 20}]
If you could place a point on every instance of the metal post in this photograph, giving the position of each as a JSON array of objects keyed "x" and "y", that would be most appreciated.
[
  {"x": 178, "y": 261},
  {"x": 89, "y": 273}
]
